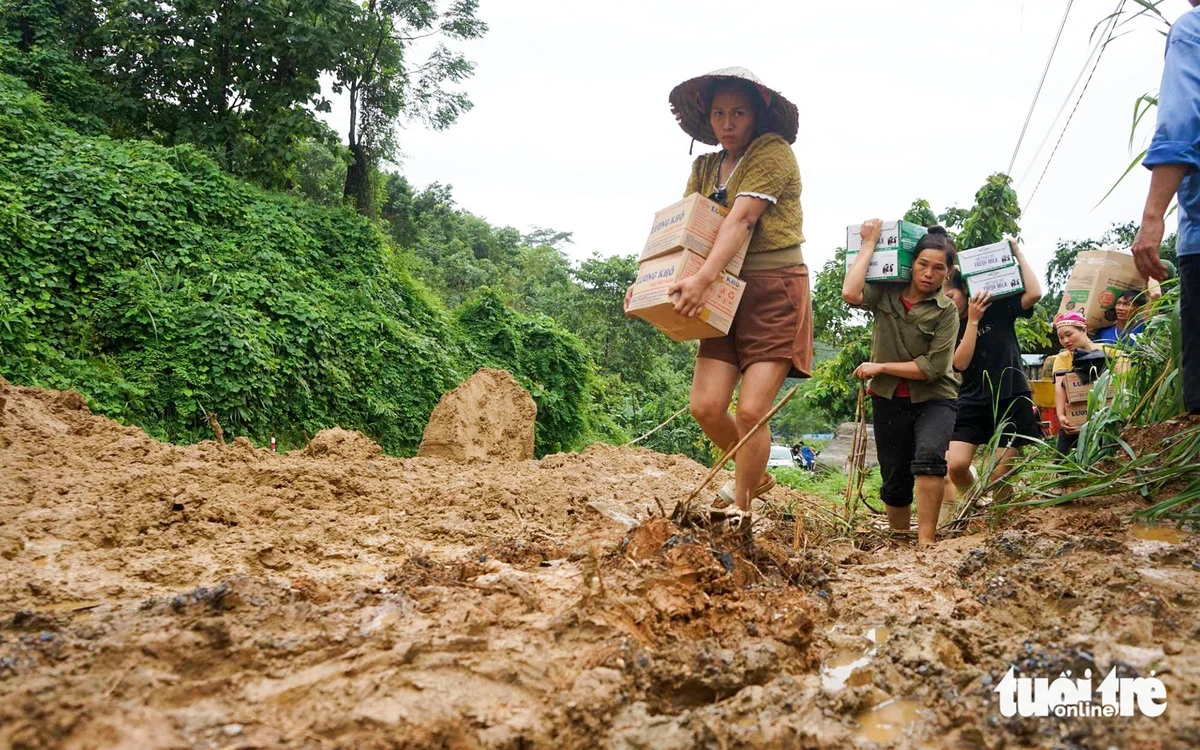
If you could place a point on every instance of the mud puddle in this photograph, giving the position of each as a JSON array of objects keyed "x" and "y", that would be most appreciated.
[{"x": 1164, "y": 534}]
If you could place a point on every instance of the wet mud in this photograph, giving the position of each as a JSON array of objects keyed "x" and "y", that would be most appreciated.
[{"x": 159, "y": 596}]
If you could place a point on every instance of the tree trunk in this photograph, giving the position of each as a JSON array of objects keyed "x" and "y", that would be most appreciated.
[{"x": 358, "y": 181}]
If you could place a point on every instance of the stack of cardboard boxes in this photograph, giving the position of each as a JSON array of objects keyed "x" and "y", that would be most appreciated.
[
  {"x": 894, "y": 252},
  {"x": 992, "y": 268},
  {"x": 680, "y": 239}
]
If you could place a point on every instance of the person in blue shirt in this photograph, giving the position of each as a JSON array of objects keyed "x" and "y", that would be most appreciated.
[
  {"x": 807, "y": 456},
  {"x": 1128, "y": 327},
  {"x": 1174, "y": 163}
]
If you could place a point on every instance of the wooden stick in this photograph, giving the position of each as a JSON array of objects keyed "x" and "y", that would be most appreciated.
[
  {"x": 686, "y": 505},
  {"x": 858, "y": 455},
  {"x": 216, "y": 427},
  {"x": 656, "y": 429}
]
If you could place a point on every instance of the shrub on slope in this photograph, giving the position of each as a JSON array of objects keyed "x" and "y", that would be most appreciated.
[{"x": 154, "y": 283}]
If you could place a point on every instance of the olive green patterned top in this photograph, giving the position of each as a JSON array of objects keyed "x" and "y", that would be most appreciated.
[
  {"x": 926, "y": 334},
  {"x": 767, "y": 170}
]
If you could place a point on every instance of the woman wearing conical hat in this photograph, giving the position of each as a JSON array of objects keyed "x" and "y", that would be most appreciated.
[{"x": 755, "y": 176}]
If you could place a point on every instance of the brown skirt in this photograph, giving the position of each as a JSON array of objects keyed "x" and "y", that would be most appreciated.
[{"x": 773, "y": 322}]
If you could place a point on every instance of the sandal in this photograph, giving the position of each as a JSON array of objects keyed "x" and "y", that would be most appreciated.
[{"x": 726, "y": 492}]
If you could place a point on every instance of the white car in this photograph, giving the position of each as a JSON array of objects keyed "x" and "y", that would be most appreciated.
[{"x": 781, "y": 455}]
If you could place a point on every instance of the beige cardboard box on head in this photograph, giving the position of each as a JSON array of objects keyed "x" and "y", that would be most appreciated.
[
  {"x": 650, "y": 301},
  {"x": 691, "y": 224},
  {"x": 1096, "y": 281}
]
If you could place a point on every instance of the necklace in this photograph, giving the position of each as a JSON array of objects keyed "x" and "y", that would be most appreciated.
[{"x": 719, "y": 193}]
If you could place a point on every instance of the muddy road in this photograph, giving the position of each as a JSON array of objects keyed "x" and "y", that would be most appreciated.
[{"x": 158, "y": 596}]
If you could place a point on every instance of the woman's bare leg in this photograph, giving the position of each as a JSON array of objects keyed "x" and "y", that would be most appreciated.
[
  {"x": 712, "y": 390},
  {"x": 929, "y": 505},
  {"x": 760, "y": 385}
]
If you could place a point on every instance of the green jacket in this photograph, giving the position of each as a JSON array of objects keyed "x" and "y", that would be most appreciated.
[{"x": 926, "y": 335}]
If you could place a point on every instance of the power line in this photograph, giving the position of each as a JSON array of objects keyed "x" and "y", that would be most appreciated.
[
  {"x": 1050, "y": 58},
  {"x": 1107, "y": 37},
  {"x": 1062, "y": 108}
]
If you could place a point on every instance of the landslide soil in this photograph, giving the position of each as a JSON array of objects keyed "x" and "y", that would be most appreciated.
[{"x": 205, "y": 596}]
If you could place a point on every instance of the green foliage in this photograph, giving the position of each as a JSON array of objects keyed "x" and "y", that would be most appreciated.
[
  {"x": 243, "y": 80},
  {"x": 156, "y": 285},
  {"x": 381, "y": 82},
  {"x": 552, "y": 364},
  {"x": 828, "y": 485},
  {"x": 46, "y": 43},
  {"x": 320, "y": 171},
  {"x": 993, "y": 216},
  {"x": 920, "y": 213},
  {"x": 833, "y": 319},
  {"x": 834, "y": 391}
]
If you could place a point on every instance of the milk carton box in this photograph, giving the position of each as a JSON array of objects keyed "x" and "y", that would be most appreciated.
[
  {"x": 987, "y": 258},
  {"x": 894, "y": 252},
  {"x": 1003, "y": 282},
  {"x": 886, "y": 265},
  {"x": 895, "y": 235}
]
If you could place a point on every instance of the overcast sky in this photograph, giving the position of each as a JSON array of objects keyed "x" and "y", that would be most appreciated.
[{"x": 571, "y": 128}]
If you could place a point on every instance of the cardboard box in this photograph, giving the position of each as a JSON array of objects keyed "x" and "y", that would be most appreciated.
[
  {"x": 1077, "y": 390},
  {"x": 1077, "y": 413},
  {"x": 691, "y": 224},
  {"x": 987, "y": 258},
  {"x": 886, "y": 265},
  {"x": 1096, "y": 281},
  {"x": 895, "y": 235},
  {"x": 651, "y": 303},
  {"x": 1003, "y": 282}
]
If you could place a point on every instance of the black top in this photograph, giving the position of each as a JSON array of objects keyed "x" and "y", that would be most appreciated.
[{"x": 996, "y": 366}]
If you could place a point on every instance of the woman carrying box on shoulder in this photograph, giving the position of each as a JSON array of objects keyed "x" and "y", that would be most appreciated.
[
  {"x": 913, "y": 386},
  {"x": 995, "y": 391},
  {"x": 755, "y": 176}
]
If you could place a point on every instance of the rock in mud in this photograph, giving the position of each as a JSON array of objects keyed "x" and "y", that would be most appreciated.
[{"x": 490, "y": 417}]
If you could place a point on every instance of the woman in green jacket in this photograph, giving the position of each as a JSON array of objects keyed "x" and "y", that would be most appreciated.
[{"x": 913, "y": 385}]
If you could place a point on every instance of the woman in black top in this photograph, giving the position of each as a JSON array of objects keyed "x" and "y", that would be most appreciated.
[{"x": 995, "y": 392}]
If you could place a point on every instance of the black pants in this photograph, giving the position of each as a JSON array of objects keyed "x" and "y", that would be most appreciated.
[
  {"x": 911, "y": 440},
  {"x": 1067, "y": 442},
  {"x": 1189, "y": 314}
]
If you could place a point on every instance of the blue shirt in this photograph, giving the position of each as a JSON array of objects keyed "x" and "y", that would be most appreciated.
[
  {"x": 1111, "y": 335},
  {"x": 1177, "y": 135}
]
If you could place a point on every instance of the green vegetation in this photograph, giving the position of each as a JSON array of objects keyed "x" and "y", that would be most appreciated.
[
  {"x": 158, "y": 286},
  {"x": 1104, "y": 462},
  {"x": 829, "y": 485}
]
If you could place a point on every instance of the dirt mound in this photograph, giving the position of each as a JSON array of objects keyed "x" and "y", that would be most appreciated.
[
  {"x": 206, "y": 596},
  {"x": 336, "y": 443},
  {"x": 490, "y": 417}
]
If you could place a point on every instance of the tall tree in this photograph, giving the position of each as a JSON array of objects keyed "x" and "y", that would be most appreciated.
[
  {"x": 239, "y": 78},
  {"x": 381, "y": 84}
]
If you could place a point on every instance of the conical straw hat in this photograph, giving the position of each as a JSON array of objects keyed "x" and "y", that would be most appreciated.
[{"x": 689, "y": 102}]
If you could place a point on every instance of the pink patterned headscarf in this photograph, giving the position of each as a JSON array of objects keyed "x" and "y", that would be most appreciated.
[{"x": 1070, "y": 318}]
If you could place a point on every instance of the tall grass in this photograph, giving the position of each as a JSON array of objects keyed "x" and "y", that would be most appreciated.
[{"x": 1148, "y": 392}]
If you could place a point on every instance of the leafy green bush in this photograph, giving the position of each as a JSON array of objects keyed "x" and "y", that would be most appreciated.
[
  {"x": 155, "y": 284},
  {"x": 551, "y": 363}
]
